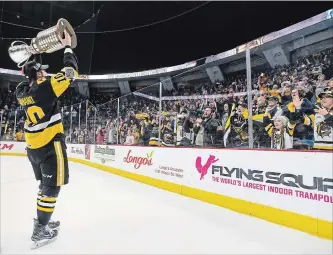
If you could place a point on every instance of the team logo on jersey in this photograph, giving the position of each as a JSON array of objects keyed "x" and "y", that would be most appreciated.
[{"x": 323, "y": 129}]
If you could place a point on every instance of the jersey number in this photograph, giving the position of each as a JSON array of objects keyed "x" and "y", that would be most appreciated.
[
  {"x": 34, "y": 114},
  {"x": 59, "y": 77}
]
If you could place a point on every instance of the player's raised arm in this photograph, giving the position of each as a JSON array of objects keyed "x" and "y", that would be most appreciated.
[
  {"x": 38, "y": 58},
  {"x": 63, "y": 79}
]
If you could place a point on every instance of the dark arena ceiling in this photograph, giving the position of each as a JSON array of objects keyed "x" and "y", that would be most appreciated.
[{"x": 204, "y": 30}]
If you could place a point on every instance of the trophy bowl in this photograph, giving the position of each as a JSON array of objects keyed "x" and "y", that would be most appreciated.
[
  {"x": 46, "y": 41},
  {"x": 19, "y": 52}
]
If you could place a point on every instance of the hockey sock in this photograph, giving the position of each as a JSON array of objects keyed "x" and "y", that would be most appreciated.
[{"x": 46, "y": 201}]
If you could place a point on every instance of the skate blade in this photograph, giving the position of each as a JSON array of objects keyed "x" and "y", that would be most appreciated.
[{"x": 38, "y": 244}]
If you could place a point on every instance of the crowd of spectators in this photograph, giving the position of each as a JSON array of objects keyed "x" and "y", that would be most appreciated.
[{"x": 292, "y": 108}]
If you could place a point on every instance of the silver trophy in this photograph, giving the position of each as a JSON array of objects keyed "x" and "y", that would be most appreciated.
[{"x": 46, "y": 41}]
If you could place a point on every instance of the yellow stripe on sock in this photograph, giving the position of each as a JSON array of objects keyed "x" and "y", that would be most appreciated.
[
  {"x": 45, "y": 209},
  {"x": 49, "y": 199}
]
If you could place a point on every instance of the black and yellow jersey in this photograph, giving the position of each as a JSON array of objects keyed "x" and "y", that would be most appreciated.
[
  {"x": 323, "y": 130},
  {"x": 40, "y": 102}
]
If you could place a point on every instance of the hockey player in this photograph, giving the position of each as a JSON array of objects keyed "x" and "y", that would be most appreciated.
[{"x": 44, "y": 134}]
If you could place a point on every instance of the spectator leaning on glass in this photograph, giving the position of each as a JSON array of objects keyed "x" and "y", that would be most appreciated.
[
  {"x": 323, "y": 126},
  {"x": 206, "y": 129}
]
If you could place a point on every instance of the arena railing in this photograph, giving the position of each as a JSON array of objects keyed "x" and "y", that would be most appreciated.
[{"x": 264, "y": 82}]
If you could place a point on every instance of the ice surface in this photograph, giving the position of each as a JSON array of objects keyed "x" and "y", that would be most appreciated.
[{"x": 106, "y": 214}]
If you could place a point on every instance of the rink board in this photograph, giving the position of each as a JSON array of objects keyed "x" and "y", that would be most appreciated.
[{"x": 290, "y": 188}]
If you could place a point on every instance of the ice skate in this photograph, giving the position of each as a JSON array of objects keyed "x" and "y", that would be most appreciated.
[
  {"x": 42, "y": 235},
  {"x": 54, "y": 225}
]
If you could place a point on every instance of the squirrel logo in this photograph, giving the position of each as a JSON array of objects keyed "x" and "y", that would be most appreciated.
[{"x": 203, "y": 169}]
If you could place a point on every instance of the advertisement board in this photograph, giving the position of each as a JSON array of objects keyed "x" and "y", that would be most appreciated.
[
  {"x": 248, "y": 45},
  {"x": 12, "y": 147},
  {"x": 146, "y": 161},
  {"x": 87, "y": 151},
  {"x": 285, "y": 180},
  {"x": 289, "y": 181},
  {"x": 103, "y": 154},
  {"x": 6, "y": 146},
  {"x": 76, "y": 151},
  {"x": 151, "y": 162}
]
